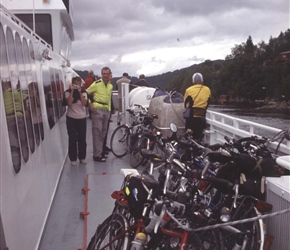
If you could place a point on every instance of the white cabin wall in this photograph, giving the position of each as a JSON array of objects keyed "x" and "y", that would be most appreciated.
[
  {"x": 25, "y": 209},
  {"x": 26, "y": 197}
]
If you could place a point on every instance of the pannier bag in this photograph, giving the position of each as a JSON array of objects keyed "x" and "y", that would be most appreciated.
[
  {"x": 136, "y": 196},
  {"x": 250, "y": 173},
  {"x": 186, "y": 113}
]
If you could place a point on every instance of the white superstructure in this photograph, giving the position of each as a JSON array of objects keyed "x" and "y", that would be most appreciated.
[{"x": 34, "y": 71}]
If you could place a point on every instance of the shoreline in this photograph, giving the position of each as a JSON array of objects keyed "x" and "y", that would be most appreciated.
[{"x": 282, "y": 108}]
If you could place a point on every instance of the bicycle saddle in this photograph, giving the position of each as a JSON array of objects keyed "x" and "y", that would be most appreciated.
[
  {"x": 150, "y": 155},
  {"x": 149, "y": 181}
]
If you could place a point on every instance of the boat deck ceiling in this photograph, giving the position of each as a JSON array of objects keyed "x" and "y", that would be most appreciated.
[{"x": 64, "y": 229}]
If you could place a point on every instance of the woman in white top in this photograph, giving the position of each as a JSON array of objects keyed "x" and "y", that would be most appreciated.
[{"x": 76, "y": 122}]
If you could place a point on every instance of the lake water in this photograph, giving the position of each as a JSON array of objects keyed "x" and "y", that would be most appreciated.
[{"x": 274, "y": 119}]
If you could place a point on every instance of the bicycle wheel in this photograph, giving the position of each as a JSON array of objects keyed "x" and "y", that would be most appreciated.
[
  {"x": 254, "y": 230},
  {"x": 119, "y": 141},
  {"x": 210, "y": 240},
  {"x": 111, "y": 234},
  {"x": 136, "y": 159}
]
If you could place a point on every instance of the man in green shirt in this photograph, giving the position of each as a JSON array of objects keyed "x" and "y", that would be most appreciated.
[{"x": 101, "y": 110}]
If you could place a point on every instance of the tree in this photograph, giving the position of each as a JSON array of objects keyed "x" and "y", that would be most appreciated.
[{"x": 250, "y": 47}]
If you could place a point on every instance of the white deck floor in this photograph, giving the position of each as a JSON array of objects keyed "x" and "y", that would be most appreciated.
[{"x": 65, "y": 227}]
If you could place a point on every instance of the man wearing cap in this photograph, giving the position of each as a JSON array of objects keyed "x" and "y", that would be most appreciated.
[
  {"x": 142, "y": 81},
  {"x": 197, "y": 96}
]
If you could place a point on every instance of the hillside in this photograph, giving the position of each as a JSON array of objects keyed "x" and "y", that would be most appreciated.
[
  {"x": 162, "y": 80},
  {"x": 252, "y": 73}
]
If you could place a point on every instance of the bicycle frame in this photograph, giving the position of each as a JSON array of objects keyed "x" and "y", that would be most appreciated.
[
  {"x": 139, "y": 226},
  {"x": 183, "y": 236}
]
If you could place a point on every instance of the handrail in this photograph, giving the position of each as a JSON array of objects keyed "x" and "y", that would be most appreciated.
[
  {"x": 221, "y": 125},
  {"x": 22, "y": 25}
]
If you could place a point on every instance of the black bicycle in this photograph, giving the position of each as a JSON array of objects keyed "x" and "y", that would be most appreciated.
[{"x": 125, "y": 137}]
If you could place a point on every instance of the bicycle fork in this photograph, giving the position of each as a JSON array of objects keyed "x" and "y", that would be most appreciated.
[
  {"x": 182, "y": 236},
  {"x": 242, "y": 242}
]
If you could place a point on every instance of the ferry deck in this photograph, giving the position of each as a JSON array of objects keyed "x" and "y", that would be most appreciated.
[
  {"x": 66, "y": 227},
  {"x": 83, "y": 200}
]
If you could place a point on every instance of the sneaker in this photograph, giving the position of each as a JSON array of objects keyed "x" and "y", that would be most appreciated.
[
  {"x": 73, "y": 163},
  {"x": 104, "y": 155},
  {"x": 107, "y": 149},
  {"x": 83, "y": 161},
  {"x": 99, "y": 158}
]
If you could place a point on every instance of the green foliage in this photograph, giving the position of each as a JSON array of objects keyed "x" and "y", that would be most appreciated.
[{"x": 249, "y": 73}]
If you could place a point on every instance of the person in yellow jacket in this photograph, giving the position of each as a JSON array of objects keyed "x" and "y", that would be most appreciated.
[
  {"x": 197, "y": 96},
  {"x": 101, "y": 111}
]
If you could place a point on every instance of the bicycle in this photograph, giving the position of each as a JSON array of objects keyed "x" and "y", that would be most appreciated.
[
  {"x": 107, "y": 231},
  {"x": 245, "y": 206},
  {"x": 181, "y": 216},
  {"x": 125, "y": 137},
  {"x": 119, "y": 230}
]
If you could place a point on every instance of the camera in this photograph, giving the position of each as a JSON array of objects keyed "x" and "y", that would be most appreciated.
[{"x": 76, "y": 86}]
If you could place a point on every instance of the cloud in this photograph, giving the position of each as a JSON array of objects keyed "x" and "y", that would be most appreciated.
[{"x": 142, "y": 36}]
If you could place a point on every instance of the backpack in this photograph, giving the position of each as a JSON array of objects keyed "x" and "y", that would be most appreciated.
[{"x": 136, "y": 195}]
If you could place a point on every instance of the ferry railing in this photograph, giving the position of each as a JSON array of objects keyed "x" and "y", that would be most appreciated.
[
  {"x": 23, "y": 26},
  {"x": 221, "y": 125},
  {"x": 277, "y": 188}
]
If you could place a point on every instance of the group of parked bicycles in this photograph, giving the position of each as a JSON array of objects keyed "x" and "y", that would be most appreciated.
[{"x": 189, "y": 195}]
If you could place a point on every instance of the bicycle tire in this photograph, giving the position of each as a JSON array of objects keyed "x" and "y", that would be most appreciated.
[
  {"x": 245, "y": 210},
  {"x": 113, "y": 227},
  {"x": 136, "y": 159},
  {"x": 211, "y": 239},
  {"x": 120, "y": 141}
]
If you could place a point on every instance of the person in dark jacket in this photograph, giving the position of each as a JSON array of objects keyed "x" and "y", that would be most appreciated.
[{"x": 142, "y": 81}]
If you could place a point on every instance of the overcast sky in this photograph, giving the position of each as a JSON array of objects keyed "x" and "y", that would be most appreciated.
[{"x": 152, "y": 37}]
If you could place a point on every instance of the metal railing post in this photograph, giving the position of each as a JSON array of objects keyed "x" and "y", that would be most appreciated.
[{"x": 125, "y": 102}]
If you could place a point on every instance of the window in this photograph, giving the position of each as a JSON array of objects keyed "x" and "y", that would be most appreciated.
[
  {"x": 42, "y": 25},
  {"x": 35, "y": 89},
  {"x": 48, "y": 96},
  {"x": 17, "y": 95},
  {"x": 8, "y": 104},
  {"x": 24, "y": 90}
]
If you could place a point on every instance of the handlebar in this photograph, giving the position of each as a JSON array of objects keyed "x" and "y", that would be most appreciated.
[
  {"x": 139, "y": 106},
  {"x": 253, "y": 138},
  {"x": 223, "y": 183}
]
